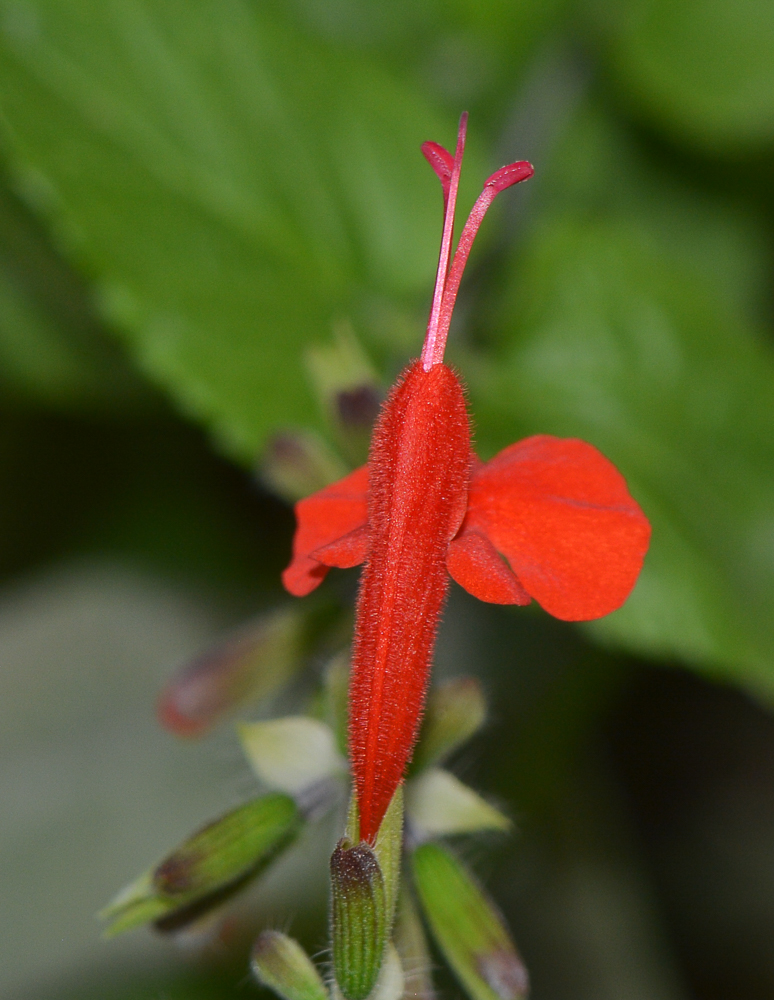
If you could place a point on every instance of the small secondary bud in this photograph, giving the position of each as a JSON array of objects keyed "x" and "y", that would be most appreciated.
[
  {"x": 455, "y": 711},
  {"x": 251, "y": 663},
  {"x": 359, "y": 918},
  {"x": 348, "y": 389},
  {"x": 281, "y": 964},
  {"x": 297, "y": 463},
  {"x": 467, "y": 927}
]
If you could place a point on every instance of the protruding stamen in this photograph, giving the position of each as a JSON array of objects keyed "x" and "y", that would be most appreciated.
[
  {"x": 447, "y": 281},
  {"x": 432, "y": 351},
  {"x": 442, "y": 162},
  {"x": 501, "y": 179}
]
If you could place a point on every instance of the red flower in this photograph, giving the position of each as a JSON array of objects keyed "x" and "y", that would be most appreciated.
[{"x": 548, "y": 518}]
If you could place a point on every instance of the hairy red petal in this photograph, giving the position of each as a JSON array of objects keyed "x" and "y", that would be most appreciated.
[
  {"x": 419, "y": 469},
  {"x": 562, "y": 515},
  {"x": 347, "y": 551},
  {"x": 322, "y": 519},
  {"x": 477, "y": 566}
]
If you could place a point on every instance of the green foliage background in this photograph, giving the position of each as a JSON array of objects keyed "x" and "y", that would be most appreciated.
[{"x": 195, "y": 192}]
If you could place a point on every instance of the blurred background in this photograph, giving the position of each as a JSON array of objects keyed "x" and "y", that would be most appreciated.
[{"x": 197, "y": 198}]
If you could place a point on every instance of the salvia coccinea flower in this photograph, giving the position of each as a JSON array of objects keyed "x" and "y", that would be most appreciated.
[{"x": 547, "y": 518}]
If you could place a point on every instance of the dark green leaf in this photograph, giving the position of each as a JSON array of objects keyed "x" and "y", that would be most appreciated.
[
  {"x": 52, "y": 349},
  {"x": 701, "y": 68},
  {"x": 232, "y": 186}
]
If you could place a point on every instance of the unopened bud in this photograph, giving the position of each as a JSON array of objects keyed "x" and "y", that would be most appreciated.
[
  {"x": 348, "y": 389},
  {"x": 467, "y": 927},
  {"x": 248, "y": 665},
  {"x": 208, "y": 867},
  {"x": 359, "y": 919},
  {"x": 455, "y": 710},
  {"x": 335, "y": 702},
  {"x": 280, "y": 963},
  {"x": 298, "y": 463}
]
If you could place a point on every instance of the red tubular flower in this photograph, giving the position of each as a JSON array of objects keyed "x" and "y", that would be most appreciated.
[{"x": 548, "y": 518}]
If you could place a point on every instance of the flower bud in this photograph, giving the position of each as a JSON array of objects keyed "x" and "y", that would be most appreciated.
[
  {"x": 208, "y": 867},
  {"x": 467, "y": 927},
  {"x": 298, "y": 463},
  {"x": 455, "y": 710},
  {"x": 359, "y": 918},
  {"x": 282, "y": 965},
  {"x": 348, "y": 389},
  {"x": 335, "y": 701},
  {"x": 438, "y": 804},
  {"x": 251, "y": 664}
]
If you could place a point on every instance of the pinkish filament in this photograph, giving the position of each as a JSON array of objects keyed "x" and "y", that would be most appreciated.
[
  {"x": 433, "y": 349},
  {"x": 448, "y": 279}
]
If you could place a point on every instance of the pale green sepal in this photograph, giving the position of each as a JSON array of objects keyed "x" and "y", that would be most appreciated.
[
  {"x": 352, "y": 830},
  {"x": 467, "y": 927},
  {"x": 281, "y": 964},
  {"x": 391, "y": 983},
  {"x": 388, "y": 846},
  {"x": 455, "y": 710},
  {"x": 134, "y": 905},
  {"x": 389, "y": 851},
  {"x": 291, "y": 754},
  {"x": 438, "y": 804},
  {"x": 359, "y": 926},
  {"x": 411, "y": 943}
]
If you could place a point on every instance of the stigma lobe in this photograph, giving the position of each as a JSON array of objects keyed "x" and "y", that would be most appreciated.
[{"x": 418, "y": 471}]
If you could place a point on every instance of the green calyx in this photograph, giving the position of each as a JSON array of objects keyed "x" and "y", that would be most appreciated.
[
  {"x": 359, "y": 918},
  {"x": 365, "y": 881}
]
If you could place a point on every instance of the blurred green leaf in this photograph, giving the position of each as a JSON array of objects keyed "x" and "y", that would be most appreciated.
[
  {"x": 701, "y": 68},
  {"x": 52, "y": 350},
  {"x": 232, "y": 186},
  {"x": 468, "y": 52},
  {"x": 631, "y": 322},
  {"x": 623, "y": 346}
]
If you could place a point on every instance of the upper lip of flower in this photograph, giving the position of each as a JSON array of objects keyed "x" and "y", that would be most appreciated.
[{"x": 555, "y": 508}]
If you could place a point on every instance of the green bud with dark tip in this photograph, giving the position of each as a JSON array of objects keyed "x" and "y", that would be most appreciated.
[
  {"x": 455, "y": 711},
  {"x": 359, "y": 918},
  {"x": 467, "y": 927},
  {"x": 208, "y": 867}
]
